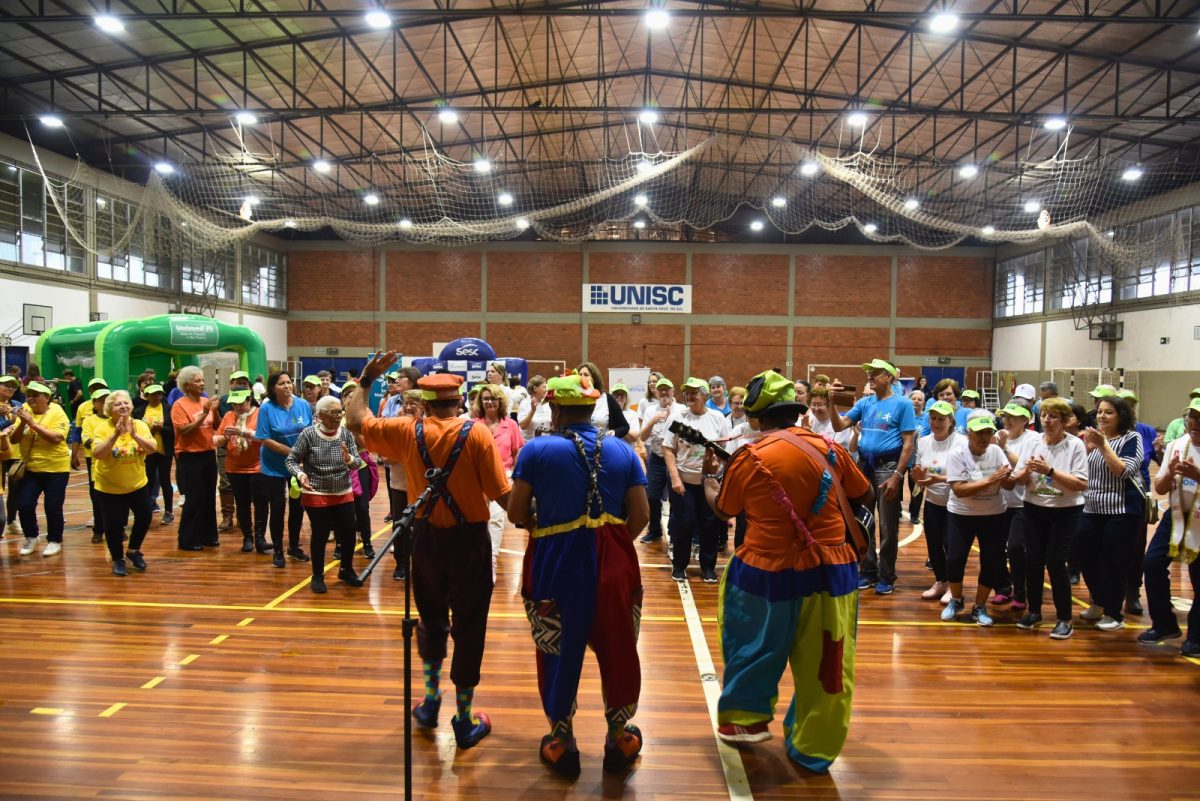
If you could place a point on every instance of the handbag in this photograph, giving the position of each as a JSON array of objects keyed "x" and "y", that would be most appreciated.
[
  {"x": 16, "y": 470},
  {"x": 1150, "y": 506}
]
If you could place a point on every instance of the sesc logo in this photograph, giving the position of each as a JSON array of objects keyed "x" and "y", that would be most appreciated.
[
  {"x": 662, "y": 298},
  {"x": 467, "y": 350}
]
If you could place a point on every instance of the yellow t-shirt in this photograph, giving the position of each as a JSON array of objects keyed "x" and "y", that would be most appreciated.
[
  {"x": 82, "y": 412},
  {"x": 40, "y": 455},
  {"x": 87, "y": 432},
  {"x": 152, "y": 415},
  {"x": 124, "y": 469}
]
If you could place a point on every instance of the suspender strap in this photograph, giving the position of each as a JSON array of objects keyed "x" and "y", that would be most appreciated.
[
  {"x": 860, "y": 543},
  {"x": 593, "y": 505},
  {"x": 440, "y": 492}
]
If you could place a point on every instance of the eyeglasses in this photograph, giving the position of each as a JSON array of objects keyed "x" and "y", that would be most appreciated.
[
  {"x": 489, "y": 400},
  {"x": 333, "y": 414}
]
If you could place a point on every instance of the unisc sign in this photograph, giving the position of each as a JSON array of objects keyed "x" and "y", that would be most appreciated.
[{"x": 658, "y": 298}]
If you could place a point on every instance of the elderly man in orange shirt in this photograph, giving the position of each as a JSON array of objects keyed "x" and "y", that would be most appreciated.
[{"x": 451, "y": 550}]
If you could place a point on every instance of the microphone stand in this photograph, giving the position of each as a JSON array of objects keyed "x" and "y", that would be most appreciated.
[{"x": 403, "y": 526}]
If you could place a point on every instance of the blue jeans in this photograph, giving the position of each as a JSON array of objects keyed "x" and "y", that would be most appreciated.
[
  {"x": 656, "y": 487},
  {"x": 1106, "y": 548},
  {"x": 1158, "y": 585},
  {"x": 29, "y": 489},
  {"x": 882, "y": 566}
]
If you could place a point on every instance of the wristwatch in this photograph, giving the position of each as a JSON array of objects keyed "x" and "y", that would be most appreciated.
[
  {"x": 1050, "y": 473},
  {"x": 716, "y": 476}
]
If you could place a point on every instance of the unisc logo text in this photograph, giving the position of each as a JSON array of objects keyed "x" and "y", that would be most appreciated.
[{"x": 638, "y": 297}]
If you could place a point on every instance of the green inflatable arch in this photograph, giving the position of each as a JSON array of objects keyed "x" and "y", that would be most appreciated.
[{"x": 119, "y": 351}]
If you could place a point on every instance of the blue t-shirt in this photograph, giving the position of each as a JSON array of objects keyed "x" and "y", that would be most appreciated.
[
  {"x": 284, "y": 426},
  {"x": 728, "y": 406},
  {"x": 552, "y": 467},
  {"x": 960, "y": 418},
  {"x": 1148, "y": 435},
  {"x": 883, "y": 421},
  {"x": 922, "y": 427}
]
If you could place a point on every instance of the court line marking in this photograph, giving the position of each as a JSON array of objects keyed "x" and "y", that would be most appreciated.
[
  {"x": 154, "y": 682},
  {"x": 47, "y": 710},
  {"x": 189, "y": 659},
  {"x": 218, "y": 639},
  {"x": 246, "y": 621},
  {"x": 289, "y": 593},
  {"x": 731, "y": 759},
  {"x": 112, "y": 710}
]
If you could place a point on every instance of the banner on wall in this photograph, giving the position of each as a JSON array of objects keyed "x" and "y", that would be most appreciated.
[
  {"x": 656, "y": 298},
  {"x": 635, "y": 378}
]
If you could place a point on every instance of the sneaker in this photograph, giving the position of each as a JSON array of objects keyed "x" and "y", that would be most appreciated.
[
  {"x": 1190, "y": 648},
  {"x": 29, "y": 547},
  {"x": 952, "y": 609},
  {"x": 679, "y": 574},
  {"x": 865, "y": 582},
  {"x": 1092, "y": 613},
  {"x": 318, "y": 585},
  {"x": 1074, "y": 579},
  {"x": 14, "y": 529},
  {"x": 754, "y": 733},
  {"x": 400, "y": 573},
  {"x": 884, "y": 588},
  {"x": 119, "y": 567},
  {"x": 337, "y": 554},
  {"x": 469, "y": 732},
  {"x": 1018, "y": 606},
  {"x": 652, "y": 538},
  {"x": 52, "y": 549},
  {"x": 97, "y": 538},
  {"x": 620, "y": 752},
  {"x": 155, "y": 509},
  {"x": 979, "y": 615},
  {"x": 277, "y": 560},
  {"x": 710, "y": 576},
  {"x": 349, "y": 578},
  {"x": 1062, "y": 630},
  {"x": 139, "y": 561},
  {"x": 426, "y": 712},
  {"x": 297, "y": 554},
  {"x": 938, "y": 589},
  {"x": 561, "y": 754},
  {"x": 1153, "y": 637},
  {"x": 929, "y": 564},
  {"x": 946, "y": 596},
  {"x": 1030, "y": 620},
  {"x": 1001, "y": 598},
  {"x": 1134, "y": 607},
  {"x": 368, "y": 550},
  {"x": 167, "y": 519},
  {"x": 1110, "y": 624}
]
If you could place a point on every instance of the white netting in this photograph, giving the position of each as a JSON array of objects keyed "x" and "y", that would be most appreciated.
[{"x": 424, "y": 196}]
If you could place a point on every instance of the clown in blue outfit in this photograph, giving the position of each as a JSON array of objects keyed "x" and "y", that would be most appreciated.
[{"x": 581, "y": 582}]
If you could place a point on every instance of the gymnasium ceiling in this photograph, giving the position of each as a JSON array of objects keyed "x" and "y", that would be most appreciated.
[{"x": 565, "y": 81}]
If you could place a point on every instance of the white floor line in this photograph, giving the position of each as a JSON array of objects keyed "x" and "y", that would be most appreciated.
[
  {"x": 731, "y": 759},
  {"x": 917, "y": 531}
]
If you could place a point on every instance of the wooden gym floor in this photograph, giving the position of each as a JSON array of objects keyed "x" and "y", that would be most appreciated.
[{"x": 215, "y": 676}]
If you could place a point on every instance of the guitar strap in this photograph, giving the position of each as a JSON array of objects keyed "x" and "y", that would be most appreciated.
[{"x": 856, "y": 535}]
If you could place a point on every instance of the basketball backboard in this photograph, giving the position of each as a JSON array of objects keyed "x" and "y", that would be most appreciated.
[{"x": 37, "y": 319}]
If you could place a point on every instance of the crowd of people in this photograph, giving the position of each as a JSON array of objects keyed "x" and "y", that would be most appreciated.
[{"x": 1041, "y": 486}]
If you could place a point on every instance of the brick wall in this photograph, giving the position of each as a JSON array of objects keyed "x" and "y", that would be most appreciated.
[{"x": 533, "y": 306}]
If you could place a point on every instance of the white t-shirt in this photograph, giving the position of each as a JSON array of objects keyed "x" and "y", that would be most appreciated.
[
  {"x": 600, "y": 415},
  {"x": 654, "y": 442},
  {"x": 635, "y": 426},
  {"x": 1015, "y": 497},
  {"x": 1067, "y": 456},
  {"x": 742, "y": 431},
  {"x": 962, "y": 465},
  {"x": 689, "y": 458},
  {"x": 1186, "y": 450},
  {"x": 933, "y": 457},
  {"x": 540, "y": 424},
  {"x": 516, "y": 396}
]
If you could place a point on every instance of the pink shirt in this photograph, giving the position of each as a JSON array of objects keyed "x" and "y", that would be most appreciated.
[{"x": 508, "y": 440}]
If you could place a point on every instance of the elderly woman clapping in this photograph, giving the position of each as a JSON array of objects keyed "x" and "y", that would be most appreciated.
[
  {"x": 321, "y": 461},
  {"x": 120, "y": 445}
]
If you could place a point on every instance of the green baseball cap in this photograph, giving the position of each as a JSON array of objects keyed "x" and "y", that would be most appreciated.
[
  {"x": 239, "y": 374},
  {"x": 312, "y": 379},
  {"x": 100, "y": 393},
  {"x": 695, "y": 383},
  {"x": 38, "y": 386},
  {"x": 664, "y": 382},
  {"x": 9, "y": 379},
  {"x": 880, "y": 364},
  {"x": 981, "y": 423},
  {"x": 97, "y": 382},
  {"x": 1103, "y": 391},
  {"x": 1195, "y": 393},
  {"x": 969, "y": 393},
  {"x": 942, "y": 408},
  {"x": 239, "y": 396},
  {"x": 392, "y": 376},
  {"x": 770, "y": 390},
  {"x": 1016, "y": 410},
  {"x": 1127, "y": 394},
  {"x": 151, "y": 389},
  {"x": 1194, "y": 406},
  {"x": 619, "y": 388}
]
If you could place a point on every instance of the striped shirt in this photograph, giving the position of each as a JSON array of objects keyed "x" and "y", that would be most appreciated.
[
  {"x": 320, "y": 457},
  {"x": 1107, "y": 494}
]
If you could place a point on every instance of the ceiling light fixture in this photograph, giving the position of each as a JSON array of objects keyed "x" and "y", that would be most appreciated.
[
  {"x": 164, "y": 168},
  {"x": 639, "y": 224},
  {"x": 912, "y": 204},
  {"x": 1032, "y": 206},
  {"x": 857, "y": 119},
  {"x": 109, "y": 24},
  {"x": 657, "y": 19},
  {"x": 1055, "y": 124},
  {"x": 371, "y": 199},
  {"x": 644, "y": 166},
  {"x": 253, "y": 200},
  {"x": 322, "y": 166},
  {"x": 522, "y": 223},
  {"x": 944, "y": 22},
  {"x": 483, "y": 166},
  {"x": 756, "y": 226},
  {"x": 447, "y": 116},
  {"x": 378, "y": 19},
  {"x": 870, "y": 228},
  {"x": 778, "y": 202},
  {"x": 51, "y": 121},
  {"x": 809, "y": 168},
  {"x": 648, "y": 117},
  {"x": 1131, "y": 174},
  {"x": 640, "y": 200},
  {"x": 245, "y": 118},
  {"x": 988, "y": 230},
  {"x": 289, "y": 223},
  {"x": 505, "y": 199},
  {"x": 406, "y": 224},
  {"x": 968, "y": 171}
]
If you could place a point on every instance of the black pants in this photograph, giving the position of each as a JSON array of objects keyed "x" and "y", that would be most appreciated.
[
  {"x": 1049, "y": 534},
  {"x": 1016, "y": 552},
  {"x": 94, "y": 495},
  {"x": 362, "y": 505},
  {"x": 937, "y": 520},
  {"x": 1107, "y": 542},
  {"x": 197, "y": 476},
  {"x": 452, "y": 587},
  {"x": 657, "y": 485},
  {"x": 691, "y": 516},
  {"x": 1158, "y": 585},
  {"x": 250, "y": 500},
  {"x": 115, "y": 510},
  {"x": 1137, "y": 555},
  {"x": 277, "y": 499},
  {"x": 399, "y": 500},
  {"x": 10, "y": 486},
  {"x": 158, "y": 470},
  {"x": 915, "y": 499},
  {"x": 962, "y": 533},
  {"x": 338, "y": 519}
]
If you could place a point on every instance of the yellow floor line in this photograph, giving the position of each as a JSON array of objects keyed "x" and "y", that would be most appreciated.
[
  {"x": 47, "y": 710},
  {"x": 333, "y": 563},
  {"x": 189, "y": 659},
  {"x": 246, "y": 621},
  {"x": 154, "y": 682},
  {"x": 218, "y": 639},
  {"x": 112, "y": 710},
  {"x": 135, "y": 604}
]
